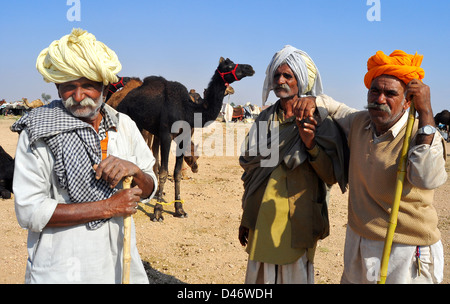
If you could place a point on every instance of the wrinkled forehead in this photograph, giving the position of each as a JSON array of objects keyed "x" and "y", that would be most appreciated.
[
  {"x": 388, "y": 82},
  {"x": 81, "y": 82}
]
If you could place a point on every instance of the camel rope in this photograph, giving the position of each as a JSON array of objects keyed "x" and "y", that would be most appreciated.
[{"x": 172, "y": 202}]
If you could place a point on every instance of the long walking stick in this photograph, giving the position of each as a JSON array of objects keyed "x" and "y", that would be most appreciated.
[
  {"x": 126, "y": 239},
  {"x": 401, "y": 172}
]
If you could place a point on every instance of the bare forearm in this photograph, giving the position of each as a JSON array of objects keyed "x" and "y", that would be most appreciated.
[
  {"x": 122, "y": 203},
  {"x": 144, "y": 182},
  {"x": 75, "y": 214}
]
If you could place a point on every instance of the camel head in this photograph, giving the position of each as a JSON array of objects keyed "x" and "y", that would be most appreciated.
[
  {"x": 231, "y": 72},
  {"x": 191, "y": 160}
]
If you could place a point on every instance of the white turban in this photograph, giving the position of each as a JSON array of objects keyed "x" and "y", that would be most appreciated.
[
  {"x": 76, "y": 56},
  {"x": 303, "y": 67}
]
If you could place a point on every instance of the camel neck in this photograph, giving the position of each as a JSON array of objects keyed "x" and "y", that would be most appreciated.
[{"x": 213, "y": 100}]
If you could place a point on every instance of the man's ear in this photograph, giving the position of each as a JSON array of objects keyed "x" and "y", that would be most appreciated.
[{"x": 406, "y": 104}]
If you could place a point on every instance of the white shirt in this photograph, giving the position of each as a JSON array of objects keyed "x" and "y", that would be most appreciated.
[{"x": 74, "y": 254}]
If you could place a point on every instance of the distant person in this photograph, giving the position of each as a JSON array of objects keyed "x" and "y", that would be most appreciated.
[
  {"x": 285, "y": 203},
  {"x": 375, "y": 139},
  {"x": 71, "y": 157}
]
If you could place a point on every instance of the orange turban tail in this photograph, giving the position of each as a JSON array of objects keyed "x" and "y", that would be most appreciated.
[{"x": 404, "y": 66}]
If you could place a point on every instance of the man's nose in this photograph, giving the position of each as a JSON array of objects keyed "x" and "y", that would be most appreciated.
[
  {"x": 281, "y": 79},
  {"x": 381, "y": 99},
  {"x": 78, "y": 95}
]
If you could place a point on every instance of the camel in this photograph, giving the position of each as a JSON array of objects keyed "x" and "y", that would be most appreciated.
[
  {"x": 34, "y": 104},
  {"x": 196, "y": 98},
  {"x": 6, "y": 174},
  {"x": 158, "y": 103},
  {"x": 116, "y": 98},
  {"x": 443, "y": 117},
  {"x": 114, "y": 87}
]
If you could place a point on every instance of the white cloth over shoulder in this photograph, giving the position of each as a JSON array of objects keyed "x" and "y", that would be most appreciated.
[{"x": 303, "y": 67}]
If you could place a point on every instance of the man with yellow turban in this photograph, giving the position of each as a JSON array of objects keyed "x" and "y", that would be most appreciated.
[
  {"x": 288, "y": 170},
  {"x": 375, "y": 139},
  {"x": 70, "y": 162}
]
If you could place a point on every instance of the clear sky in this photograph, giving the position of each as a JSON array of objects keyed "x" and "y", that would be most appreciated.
[{"x": 183, "y": 40}]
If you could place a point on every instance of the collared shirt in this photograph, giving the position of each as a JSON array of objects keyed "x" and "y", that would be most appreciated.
[
  {"x": 395, "y": 129},
  {"x": 74, "y": 254}
]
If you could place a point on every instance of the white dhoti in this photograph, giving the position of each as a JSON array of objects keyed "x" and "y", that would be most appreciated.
[
  {"x": 299, "y": 272},
  {"x": 362, "y": 260}
]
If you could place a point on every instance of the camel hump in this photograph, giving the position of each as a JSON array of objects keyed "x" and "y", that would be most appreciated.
[
  {"x": 152, "y": 80},
  {"x": 157, "y": 86}
]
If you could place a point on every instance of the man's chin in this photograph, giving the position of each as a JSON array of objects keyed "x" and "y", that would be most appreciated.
[
  {"x": 283, "y": 95},
  {"x": 84, "y": 113}
]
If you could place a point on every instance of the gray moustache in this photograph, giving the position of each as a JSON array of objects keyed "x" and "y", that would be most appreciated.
[
  {"x": 379, "y": 107},
  {"x": 283, "y": 87}
]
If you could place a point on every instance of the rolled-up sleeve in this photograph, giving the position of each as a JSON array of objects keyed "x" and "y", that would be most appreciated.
[
  {"x": 340, "y": 112},
  {"x": 33, "y": 203},
  {"x": 426, "y": 164}
]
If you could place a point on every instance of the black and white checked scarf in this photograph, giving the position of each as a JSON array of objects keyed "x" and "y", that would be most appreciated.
[{"x": 76, "y": 148}]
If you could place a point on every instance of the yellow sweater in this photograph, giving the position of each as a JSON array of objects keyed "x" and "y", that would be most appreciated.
[{"x": 372, "y": 182}]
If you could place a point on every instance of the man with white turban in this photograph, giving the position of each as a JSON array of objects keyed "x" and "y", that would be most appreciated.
[
  {"x": 375, "y": 138},
  {"x": 286, "y": 193},
  {"x": 70, "y": 162}
]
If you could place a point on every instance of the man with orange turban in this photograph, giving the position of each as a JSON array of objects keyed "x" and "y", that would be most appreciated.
[{"x": 375, "y": 138}]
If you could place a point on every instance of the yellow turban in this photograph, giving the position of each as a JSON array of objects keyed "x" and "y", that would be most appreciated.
[
  {"x": 78, "y": 55},
  {"x": 404, "y": 66}
]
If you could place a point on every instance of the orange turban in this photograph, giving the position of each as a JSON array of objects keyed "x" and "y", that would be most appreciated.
[{"x": 404, "y": 66}]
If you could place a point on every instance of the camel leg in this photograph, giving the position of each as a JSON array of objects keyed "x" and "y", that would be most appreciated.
[
  {"x": 179, "y": 212},
  {"x": 163, "y": 173},
  {"x": 155, "y": 150}
]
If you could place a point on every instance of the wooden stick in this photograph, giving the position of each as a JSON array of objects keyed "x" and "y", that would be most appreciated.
[
  {"x": 126, "y": 239},
  {"x": 401, "y": 172}
]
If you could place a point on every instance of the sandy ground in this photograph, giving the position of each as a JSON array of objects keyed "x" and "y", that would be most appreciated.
[{"x": 202, "y": 248}]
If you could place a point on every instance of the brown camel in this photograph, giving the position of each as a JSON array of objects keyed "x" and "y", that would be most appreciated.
[
  {"x": 34, "y": 104},
  {"x": 114, "y": 87},
  {"x": 157, "y": 104},
  {"x": 196, "y": 98},
  {"x": 118, "y": 96}
]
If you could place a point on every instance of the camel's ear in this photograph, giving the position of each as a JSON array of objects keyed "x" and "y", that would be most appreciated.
[{"x": 221, "y": 60}]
